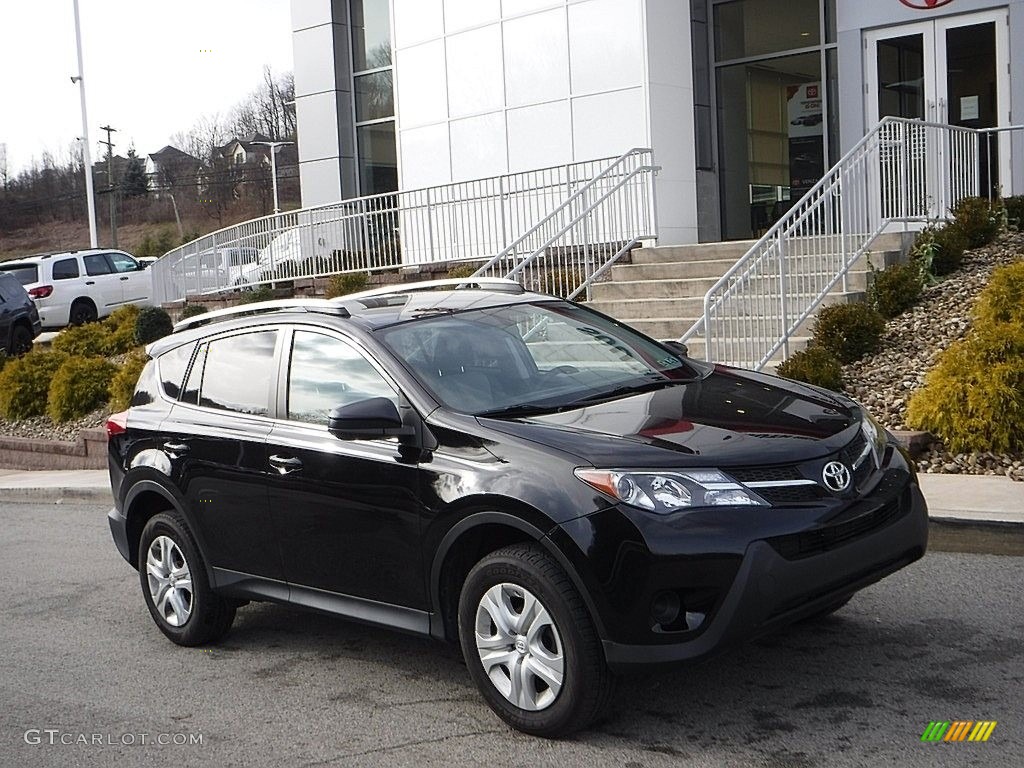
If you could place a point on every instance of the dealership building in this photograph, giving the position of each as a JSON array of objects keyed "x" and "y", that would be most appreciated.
[{"x": 745, "y": 103}]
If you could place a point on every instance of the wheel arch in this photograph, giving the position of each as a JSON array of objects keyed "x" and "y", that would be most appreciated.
[
  {"x": 466, "y": 543},
  {"x": 146, "y": 499}
]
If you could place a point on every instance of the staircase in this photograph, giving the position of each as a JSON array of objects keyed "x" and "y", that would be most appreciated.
[{"x": 661, "y": 293}]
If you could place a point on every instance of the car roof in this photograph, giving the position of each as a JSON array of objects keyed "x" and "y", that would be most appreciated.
[{"x": 39, "y": 258}]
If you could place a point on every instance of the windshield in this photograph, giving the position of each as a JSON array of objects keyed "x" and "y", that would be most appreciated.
[
  {"x": 540, "y": 357},
  {"x": 25, "y": 273}
]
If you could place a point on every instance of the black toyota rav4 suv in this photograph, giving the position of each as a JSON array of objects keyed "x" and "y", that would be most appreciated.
[{"x": 561, "y": 495}]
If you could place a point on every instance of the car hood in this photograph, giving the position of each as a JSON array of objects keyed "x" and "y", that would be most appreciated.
[{"x": 729, "y": 418}]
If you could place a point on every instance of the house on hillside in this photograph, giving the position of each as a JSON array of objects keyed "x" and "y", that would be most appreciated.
[{"x": 171, "y": 167}]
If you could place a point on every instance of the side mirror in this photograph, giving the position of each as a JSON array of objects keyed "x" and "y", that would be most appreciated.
[
  {"x": 678, "y": 347},
  {"x": 367, "y": 419}
]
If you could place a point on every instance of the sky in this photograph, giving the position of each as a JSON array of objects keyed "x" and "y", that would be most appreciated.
[{"x": 152, "y": 67}]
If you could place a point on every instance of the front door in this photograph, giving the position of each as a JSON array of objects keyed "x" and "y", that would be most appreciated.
[{"x": 951, "y": 71}]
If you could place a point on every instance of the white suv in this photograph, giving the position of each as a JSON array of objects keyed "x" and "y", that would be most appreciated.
[{"x": 80, "y": 286}]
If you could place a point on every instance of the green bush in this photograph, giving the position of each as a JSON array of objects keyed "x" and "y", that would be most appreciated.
[
  {"x": 87, "y": 340},
  {"x": 978, "y": 220},
  {"x": 814, "y": 365},
  {"x": 940, "y": 250},
  {"x": 122, "y": 386},
  {"x": 974, "y": 397},
  {"x": 259, "y": 293},
  {"x": 1014, "y": 207},
  {"x": 895, "y": 289},
  {"x": 153, "y": 323},
  {"x": 155, "y": 247},
  {"x": 3, "y": 358},
  {"x": 1002, "y": 301},
  {"x": 191, "y": 310},
  {"x": 462, "y": 270},
  {"x": 120, "y": 326},
  {"x": 25, "y": 383},
  {"x": 848, "y": 331},
  {"x": 342, "y": 285},
  {"x": 79, "y": 385}
]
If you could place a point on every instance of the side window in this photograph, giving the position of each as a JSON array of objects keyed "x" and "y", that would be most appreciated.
[
  {"x": 324, "y": 373},
  {"x": 123, "y": 262},
  {"x": 172, "y": 369},
  {"x": 97, "y": 264},
  {"x": 238, "y": 373},
  {"x": 195, "y": 376},
  {"x": 65, "y": 269}
]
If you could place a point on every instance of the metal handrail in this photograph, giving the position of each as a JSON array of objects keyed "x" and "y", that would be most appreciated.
[{"x": 901, "y": 171}]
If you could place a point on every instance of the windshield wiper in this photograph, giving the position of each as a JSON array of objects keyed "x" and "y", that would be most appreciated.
[
  {"x": 628, "y": 389},
  {"x": 523, "y": 409}
]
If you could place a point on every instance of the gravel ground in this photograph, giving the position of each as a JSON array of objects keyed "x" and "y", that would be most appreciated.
[
  {"x": 911, "y": 346},
  {"x": 44, "y": 428}
]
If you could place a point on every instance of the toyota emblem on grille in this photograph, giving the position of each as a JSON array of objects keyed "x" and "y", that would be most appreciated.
[{"x": 836, "y": 476}]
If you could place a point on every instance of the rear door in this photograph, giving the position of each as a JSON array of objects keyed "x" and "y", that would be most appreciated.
[
  {"x": 216, "y": 437},
  {"x": 101, "y": 282}
]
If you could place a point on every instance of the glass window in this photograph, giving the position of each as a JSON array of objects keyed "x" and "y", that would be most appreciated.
[
  {"x": 97, "y": 264},
  {"x": 378, "y": 158},
  {"x": 754, "y": 27},
  {"x": 123, "y": 262},
  {"x": 65, "y": 269},
  {"x": 26, "y": 274},
  {"x": 173, "y": 365},
  {"x": 195, "y": 376},
  {"x": 374, "y": 96},
  {"x": 901, "y": 77},
  {"x": 238, "y": 372},
  {"x": 326, "y": 372},
  {"x": 371, "y": 34}
]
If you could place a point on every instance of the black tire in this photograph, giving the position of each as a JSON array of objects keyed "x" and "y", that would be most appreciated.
[
  {"x": 82, "y": 311},
  {"x": 21, "y": 340},
  {"x": 210, "y": 616},
  {"x": 828, "y": 610},
  {"x": 587, "y": 684}
]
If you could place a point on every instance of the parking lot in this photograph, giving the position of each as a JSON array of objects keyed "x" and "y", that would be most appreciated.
[{"x": 83, "y": 663}]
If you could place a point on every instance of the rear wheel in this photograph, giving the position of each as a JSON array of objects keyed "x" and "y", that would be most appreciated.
[
  {"x": 530, "y": 644},
  {"x": 82, "y": 311},
  {"x": 175, "y": 587},
  {"x": 21, "y": 340}
]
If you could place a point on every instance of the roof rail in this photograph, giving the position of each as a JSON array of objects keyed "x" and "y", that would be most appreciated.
[
  {"x": 497, "y": 284},
  {"x": 325, "y": 306}
]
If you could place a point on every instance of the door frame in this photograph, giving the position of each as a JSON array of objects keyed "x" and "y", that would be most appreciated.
[{"x": 936, "y": 101}]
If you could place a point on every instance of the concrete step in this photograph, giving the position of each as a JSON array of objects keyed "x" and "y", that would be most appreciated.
[
  {"x": 734, "y": 353},
  {"x": 728, "y": 251},
  {"x": 688, "y": 307},
  {"x": 696, "y": 287}
]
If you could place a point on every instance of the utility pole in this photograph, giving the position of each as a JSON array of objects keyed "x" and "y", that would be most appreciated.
[
  {"x": 274, "y": 145},
  {"x": 110, "y": 184},
  {"x": 90, "y": 197}
]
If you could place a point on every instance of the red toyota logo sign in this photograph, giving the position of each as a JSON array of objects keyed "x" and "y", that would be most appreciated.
[{"x": 925, "y": 5}]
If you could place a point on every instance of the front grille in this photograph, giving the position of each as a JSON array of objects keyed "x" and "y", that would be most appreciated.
[
  {"x": 791, "y": 494},
  {"x": 765, "y": 474},
  {"x": 797, "y": 545},
  {"x": 852, "y": 452}
]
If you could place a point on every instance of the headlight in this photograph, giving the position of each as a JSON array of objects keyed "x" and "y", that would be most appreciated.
[
  {"x": 666, "y": 492},
  {"x": 875, "y": 435}
]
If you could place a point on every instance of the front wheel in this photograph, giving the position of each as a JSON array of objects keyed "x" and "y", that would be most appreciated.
[
  {"x": 530, "y": 644},
  {"x": 175, "y": 586},
  {"x": 21, "y": 340}
]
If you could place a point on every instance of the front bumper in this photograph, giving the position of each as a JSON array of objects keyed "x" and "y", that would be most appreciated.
[{"x": 770, "y": 590}]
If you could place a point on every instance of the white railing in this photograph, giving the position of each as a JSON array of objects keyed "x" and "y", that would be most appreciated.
[
  {"x": 579, "y": 241},
  {"x": 905, "y": 171},
  {"x": 471, "y": 220}
]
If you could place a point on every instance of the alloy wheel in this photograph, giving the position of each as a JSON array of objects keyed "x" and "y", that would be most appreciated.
[{"x": 170, "y": 581}]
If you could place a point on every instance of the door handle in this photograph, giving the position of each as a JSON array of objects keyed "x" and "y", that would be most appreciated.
[
  {"x": 285, "y": 465},
  {"x": 176, "y": 449},
  {"x": 90, "y": 282},
  {"x": 122, "y": 278}
]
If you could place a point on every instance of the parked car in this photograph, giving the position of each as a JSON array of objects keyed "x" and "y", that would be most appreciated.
[
  {"x": 212, "y": 270},
  {"x": 78, "y": 287},
  {"x": 146, "y": 261},
  {"x": 19, "y": 318},
  {"x": 559, "y": 494}
]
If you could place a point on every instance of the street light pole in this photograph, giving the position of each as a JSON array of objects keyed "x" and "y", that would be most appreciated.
[
  {"x": 86, "y": 159},
  {"x": 273, "y": 165}
]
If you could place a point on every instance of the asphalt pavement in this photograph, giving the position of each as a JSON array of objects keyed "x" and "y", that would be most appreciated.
[{"x": 86, "y": 679}]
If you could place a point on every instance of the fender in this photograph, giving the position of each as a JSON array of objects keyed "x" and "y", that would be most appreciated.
[{"x": 502, "y": 518}]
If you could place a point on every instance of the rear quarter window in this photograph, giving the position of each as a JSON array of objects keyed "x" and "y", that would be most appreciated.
[
  {"x": 173, "y": 365},
  {"x": 26, "y": 274}
]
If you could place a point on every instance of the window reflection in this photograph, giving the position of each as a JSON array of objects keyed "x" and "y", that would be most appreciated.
[{"x": 238, "y": 372}]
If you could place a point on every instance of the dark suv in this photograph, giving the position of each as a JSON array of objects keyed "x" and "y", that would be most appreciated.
[
  {"x": 19, "y": 318},
  {"x": 564, "y": 497}
]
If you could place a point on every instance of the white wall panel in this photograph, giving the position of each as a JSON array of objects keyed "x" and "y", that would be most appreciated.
[
  {"x": 417, "y": 20},
  {"x": 475, "y": 78},
  {"x": 426, "y": 160},
  {"x": 513, "y": 7},
  {"x": 478, "y": 147},
  {"x": 314, "y": 69},
  {"x": 463, "y": 14},
  {"x": 420, "y": 84},
  {"x": 607, "y": 124},
  {"x": 539, "y": 136},
  {"x": 606, "y": 45},
  {"x": 536, "y": 58}
]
